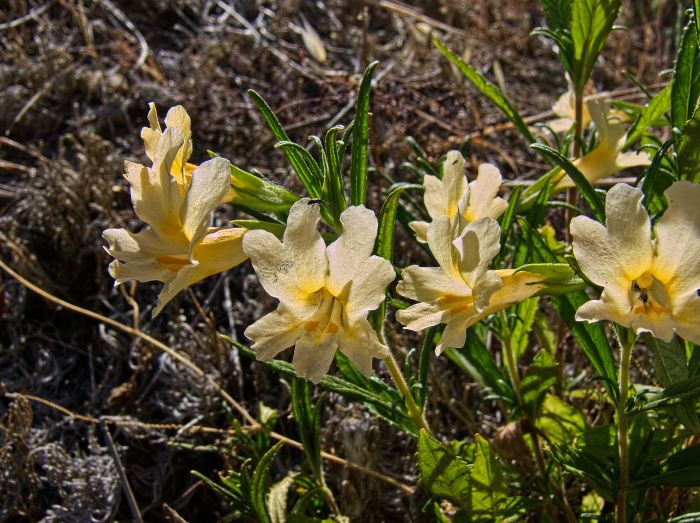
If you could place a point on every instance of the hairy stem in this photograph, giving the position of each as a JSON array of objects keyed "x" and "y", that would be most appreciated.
[
  {"x": 623, "y": 486},
  {"x": 413, "y": 409}
]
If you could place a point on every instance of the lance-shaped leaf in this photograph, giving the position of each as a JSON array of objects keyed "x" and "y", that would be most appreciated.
[
  {"x": 685, "y": 85},
  {"x": 360, "y": 140}
]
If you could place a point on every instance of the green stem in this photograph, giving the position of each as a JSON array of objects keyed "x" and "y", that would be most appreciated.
[
  {"x": 626, "y": 343},
  {"x": 413, "y": 410},
  {"x": 511, "y": 364}
]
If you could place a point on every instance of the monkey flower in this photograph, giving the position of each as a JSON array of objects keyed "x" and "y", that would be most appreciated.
[
  {"x": 453, "y": 195},
  {"x": 648, "y": 284},
  {"x": 324, "y": 293},
  {"x": 607, "y": 157},
  {"x": 461, "y": 291},
  {"x": 178, "y": 248}
]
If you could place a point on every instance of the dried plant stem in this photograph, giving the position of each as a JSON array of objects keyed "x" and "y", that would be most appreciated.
[
  {"x": 199, "y": 372},
  {"x": 623, "y": 486}
]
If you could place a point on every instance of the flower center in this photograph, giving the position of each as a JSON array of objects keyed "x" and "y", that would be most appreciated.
[
  {"x": 328, "y": 316},
  {"x": 648, "y": 296}
]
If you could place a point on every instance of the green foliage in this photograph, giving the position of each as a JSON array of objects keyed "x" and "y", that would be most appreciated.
[
  {"x": 587, "y": 190},
  {"x": 560, "y": 422},
  {"x": 541, "y": 376},
  {"x": 493, "y": 93},
  {"x": 685, "y": 85},
  {"x": 591, "y": 22},
  {"x": 474, "y": 479},
  {"x": 360, "y": 140},
  {"x": 650, "y": 116},
  {"x": 688, "y": 147}
]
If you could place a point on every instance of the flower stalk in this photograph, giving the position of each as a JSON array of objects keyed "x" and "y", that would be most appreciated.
[
  {"x": 414, "y": 410},
  {"x": 626, "y": 340}
]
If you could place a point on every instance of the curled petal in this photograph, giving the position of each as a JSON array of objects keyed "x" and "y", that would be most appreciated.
[
  {"x": 360, "y": 344},
  {"x": 478, "y": 244}
]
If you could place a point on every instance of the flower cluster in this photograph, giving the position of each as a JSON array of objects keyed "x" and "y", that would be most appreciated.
[{"x": 650, "y": 278}]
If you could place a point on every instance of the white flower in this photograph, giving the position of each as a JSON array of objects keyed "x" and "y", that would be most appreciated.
[
  {"x": 607, "y": 157},
  {"x": 453, "y": 196},
  {"x": 325, "y": 293},
  {"x": 648, "y": 284},
  {"x": 461, "y": 291},
  {"x": 178, "y": 248}
]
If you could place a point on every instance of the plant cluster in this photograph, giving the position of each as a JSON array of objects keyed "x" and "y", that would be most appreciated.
[{"x": 628, "y": 274}]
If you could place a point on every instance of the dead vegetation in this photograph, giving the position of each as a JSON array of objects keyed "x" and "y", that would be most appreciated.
[{"x": 75, "y": 80}]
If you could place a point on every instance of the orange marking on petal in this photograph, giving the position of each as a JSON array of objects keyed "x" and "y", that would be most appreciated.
[
  {"x": 172, "y": 263},
  {"x": 311, "y": 325},
  {"x": 332, "y": 328}
]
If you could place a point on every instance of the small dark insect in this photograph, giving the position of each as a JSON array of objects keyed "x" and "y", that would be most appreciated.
[
  {"x": 316, "y": 200},
  {"x": 635, "y": 287},
  {"x": 644, "y": 297}
]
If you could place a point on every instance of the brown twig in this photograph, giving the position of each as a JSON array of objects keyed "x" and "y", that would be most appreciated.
[{"x": 255, "y": 425}]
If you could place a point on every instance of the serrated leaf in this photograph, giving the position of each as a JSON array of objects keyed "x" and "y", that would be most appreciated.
[
  {"x": 489, "y": 90},
  {"x": 360, "y": 140},
  {"x": 540, "y": 377},
  {"x": 443, "y": 473},
  {"x": 560, "y": 422},
  {"x": 685, "y": 84},
  {"x": 260, "y": 481},
  {"x": 277, "y": 499},
  {"x": 591, "y": 22},
  {"x": 652, "y": 112},
  {"x": 490, "y": 496}
]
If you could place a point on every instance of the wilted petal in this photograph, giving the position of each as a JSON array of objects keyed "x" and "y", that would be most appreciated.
[{"x": 178, "y": 118}]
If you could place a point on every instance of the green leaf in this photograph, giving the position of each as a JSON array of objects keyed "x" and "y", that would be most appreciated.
[
  {"x": 475, "y": 360},
  {"x": 557, "y": 13},
  {"x": 653, "y": 111},
  {"x": 490, "y": 497},
  {"x": 258, "y": 194},
  {"x": 591, "y": 22},
  {"x": 360, "y": 140},
  {"x": 443, "y": 473},
  {"x": 489, "y": 90},
  {"x": 277, "y": 499},
  {"x": 521, "y": 325},
  {"x": 587, "y": 190},
  {"x": 541, "y": 376},
  {"x": 333, "y": 190},
  {"x": 591, "y": 336},
  {"x": 309, "y": 179},
  {"x": 656, "y": 180},
  {"x": 308, "y": 422},
  {"x": 680, "y": 470},
  {"x": 688, "y": 147},
  {"x": 275, "y": 228},
  {"x": 559, "y": 422},
  {"x": 685, "y": 84},
  {"x": 260, "y": 481}
]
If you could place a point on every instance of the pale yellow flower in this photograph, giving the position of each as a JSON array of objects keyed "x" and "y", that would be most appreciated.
[
  {"x": 325, "y": 293},
  {"x": 649, "y": 284},
  {"x": 453, "y": 196},
  {"x": 461, "y": 291},
  {"x": 178, "y": 248},
  {"x": 607, "y": 157},
  {"x": 565, "y": 109}
]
